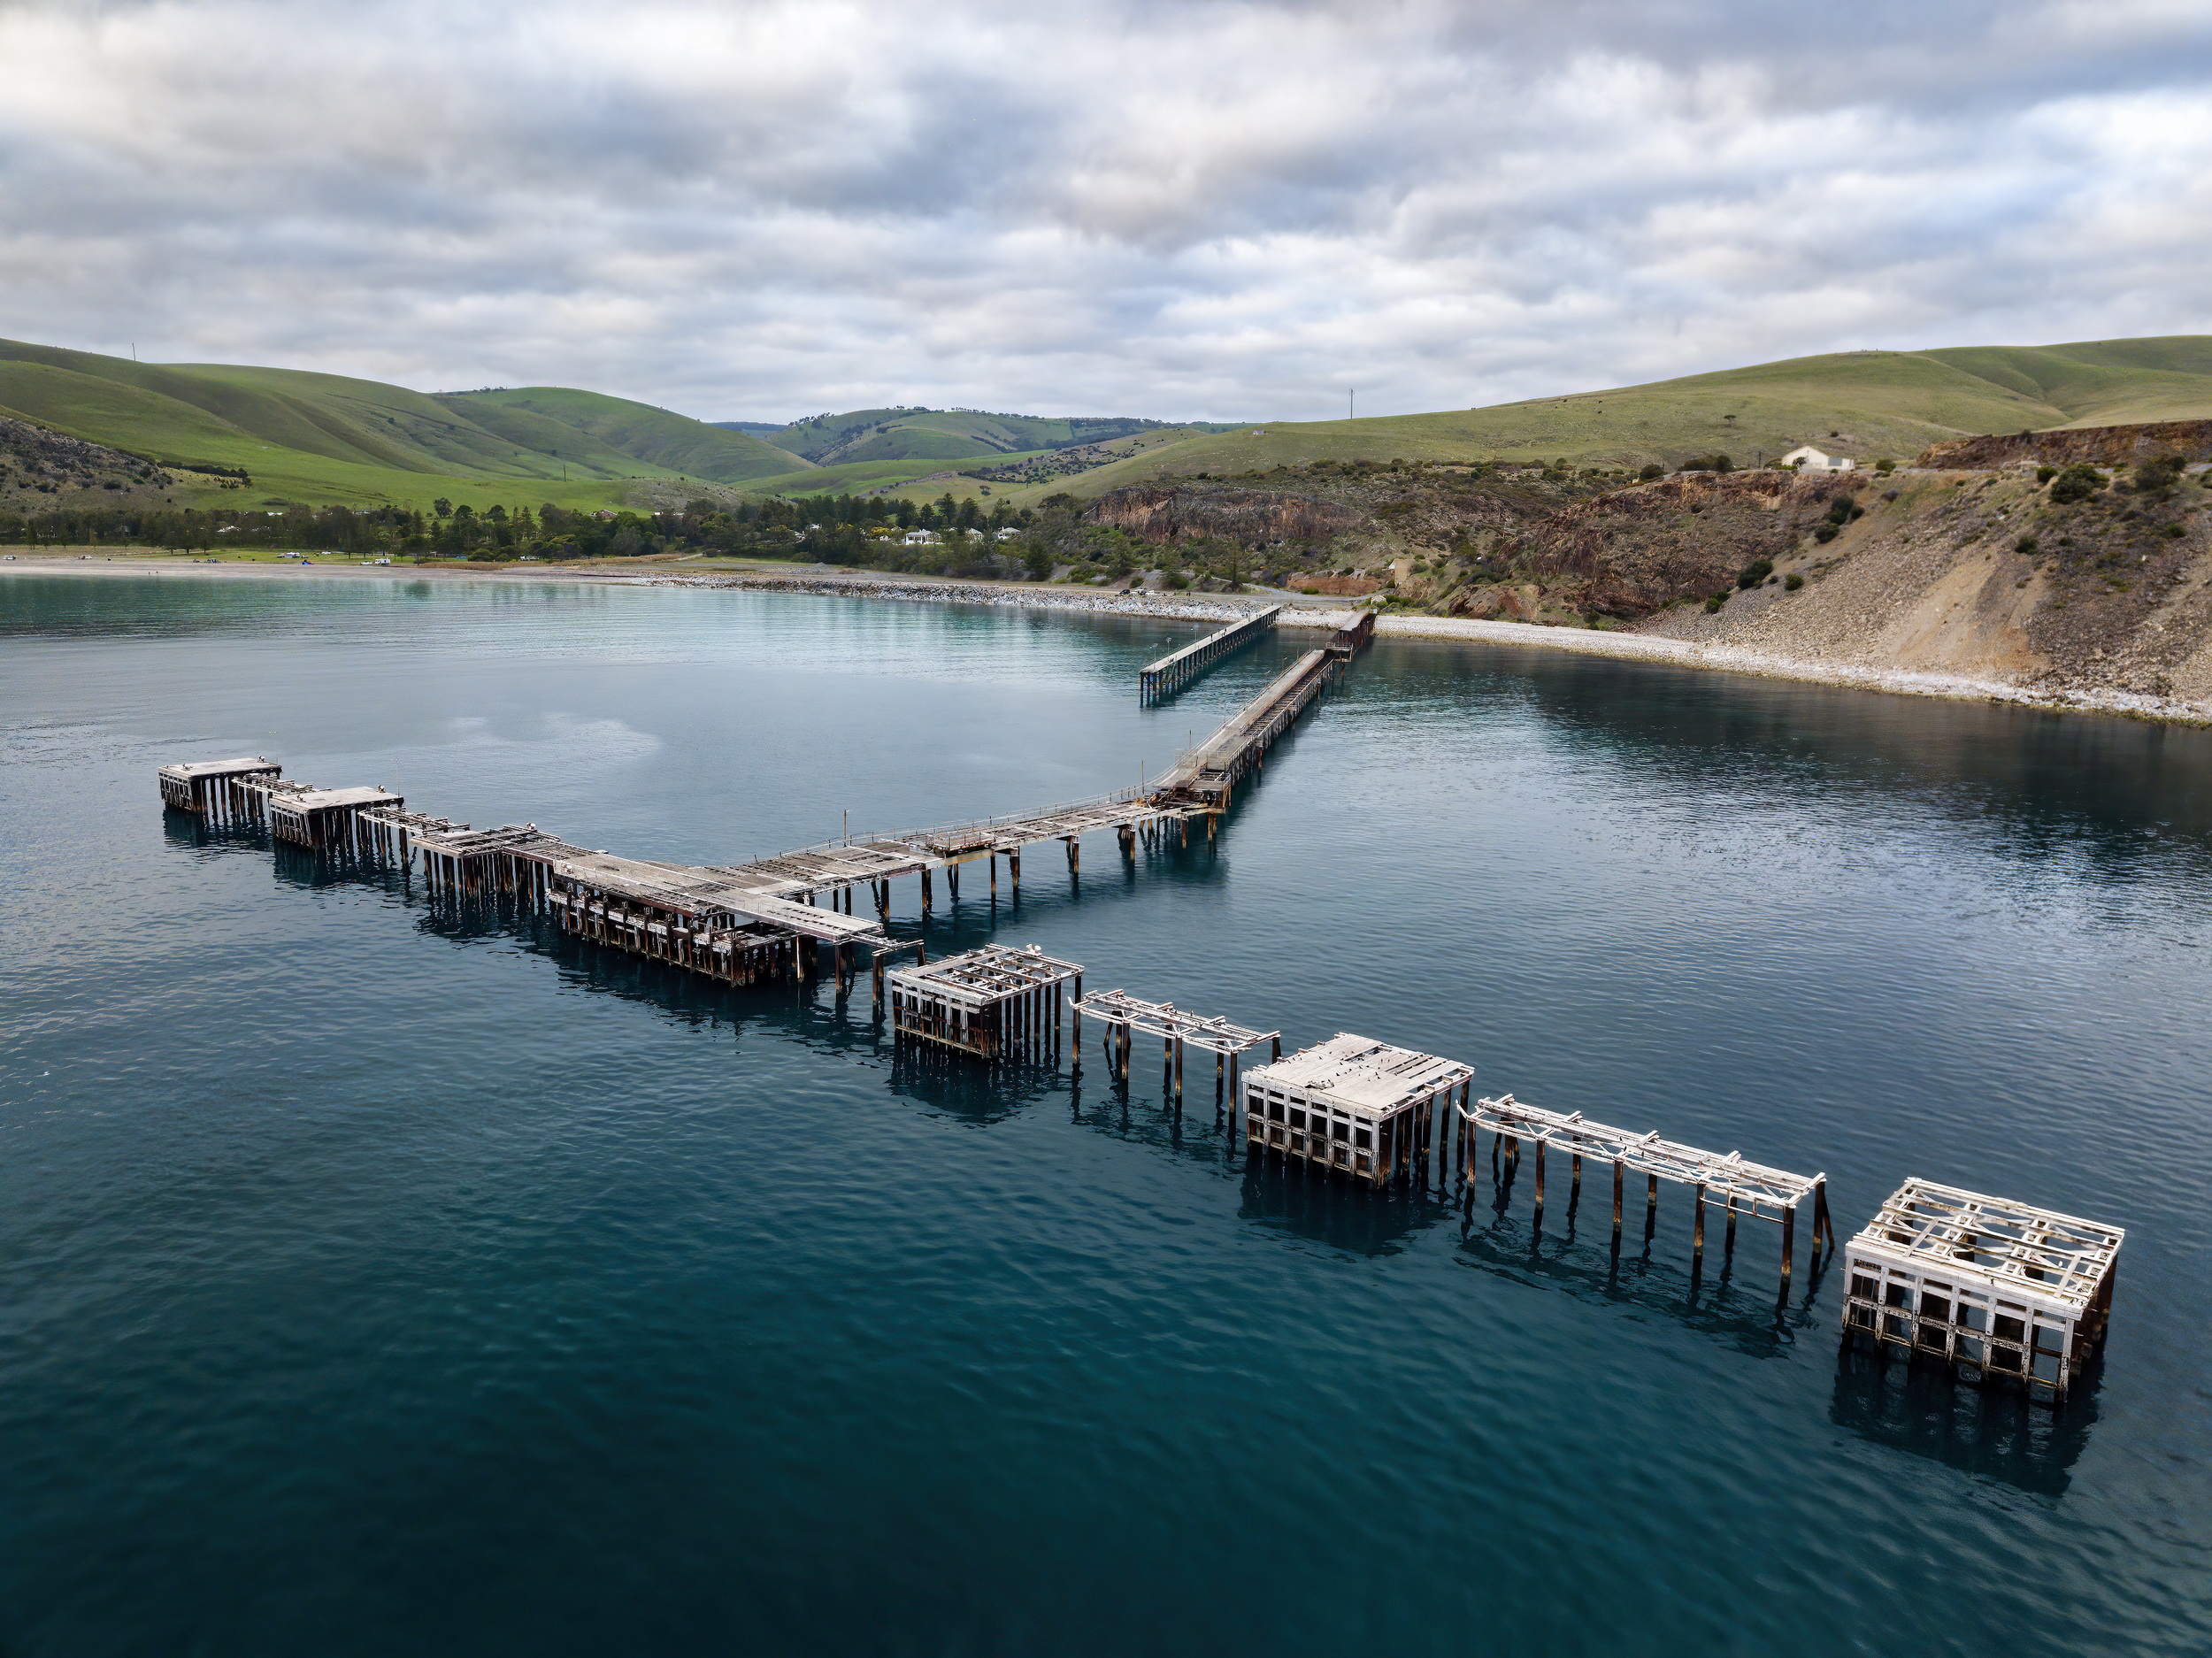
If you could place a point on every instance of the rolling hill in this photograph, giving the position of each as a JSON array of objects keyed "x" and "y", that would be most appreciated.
[
  {"x": 539, "y": 415},
  {"x": 949, "y": 435},
  {"x": 327, "y": 439},
  {"x": 1865, "y": 404}
]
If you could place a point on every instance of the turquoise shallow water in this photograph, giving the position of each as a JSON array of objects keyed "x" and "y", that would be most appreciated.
[{"x": 374, "y": 1279}]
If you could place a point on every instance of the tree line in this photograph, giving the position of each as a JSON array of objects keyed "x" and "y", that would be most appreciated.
[{"x": 835, "y": 529}]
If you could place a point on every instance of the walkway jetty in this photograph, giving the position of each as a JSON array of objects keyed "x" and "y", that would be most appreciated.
[
  {"x": 739, "y": 922},
  {"x": 1171, "y": 673},
  {"x": 1206, "y": 776},
  {"x": 1989, "y": 1287}
]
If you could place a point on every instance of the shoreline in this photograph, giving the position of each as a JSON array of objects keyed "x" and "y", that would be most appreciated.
[{"x": 1300, "y": 612}]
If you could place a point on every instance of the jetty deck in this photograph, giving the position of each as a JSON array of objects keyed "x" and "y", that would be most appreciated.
[{"x": 1173, "y": 671}]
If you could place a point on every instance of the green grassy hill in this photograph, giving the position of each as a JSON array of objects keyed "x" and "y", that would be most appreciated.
[
  {"x": 674, "y": 442},
  {"x": 947, "y": 434},
  {"x": 327, "y": 439},
  {"x": 1865, "y": 404}
]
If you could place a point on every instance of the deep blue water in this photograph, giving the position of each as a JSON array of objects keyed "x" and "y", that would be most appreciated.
[{"x": 375, "y": 1280}]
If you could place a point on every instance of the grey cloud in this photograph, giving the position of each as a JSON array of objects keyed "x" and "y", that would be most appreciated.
[{"x": 1209, "y": 208}]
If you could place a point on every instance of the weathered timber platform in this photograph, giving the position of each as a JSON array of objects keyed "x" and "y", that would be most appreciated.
[
  {"x": 1351, "y": 1104},
  {"x": 1172, "y": 673}
]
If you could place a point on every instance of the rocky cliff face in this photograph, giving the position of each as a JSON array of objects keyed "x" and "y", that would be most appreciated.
[
  {"x": 40, "y": 469},
  {"x": 1982, "y": 575},
  {"x": 2099, "y": 446},
  {"x": 1980, "y": 572},
  {"x": 1253, "y": 517}
]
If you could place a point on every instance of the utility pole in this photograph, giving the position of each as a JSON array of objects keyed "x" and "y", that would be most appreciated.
[{"x": 1351, "y": 404}]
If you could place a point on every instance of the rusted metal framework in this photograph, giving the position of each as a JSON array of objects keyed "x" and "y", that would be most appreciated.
[
  {"x": 994, "y": 1002},
  {"x": 1172, "y": 673},
  {"x": 1743, "y": 1189},
  {"x": 1991, "y": 1287},
  {"x": 1123, "y": 1015},
  {"x": 1351, "y": 1103}
]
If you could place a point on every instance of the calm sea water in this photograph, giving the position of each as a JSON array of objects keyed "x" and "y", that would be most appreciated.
[{"x": 375, "y": 1280}]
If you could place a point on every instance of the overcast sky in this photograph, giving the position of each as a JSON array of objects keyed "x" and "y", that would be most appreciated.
[{"x": 1185, "y": 210}]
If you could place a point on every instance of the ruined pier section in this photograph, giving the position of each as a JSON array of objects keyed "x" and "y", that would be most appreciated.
[
  {"x": 1743, "y": 1190},
  {"x": 1991, "y": 1288},
  {"x": 1172, "y": 673},
  {"x": 1353, "y": 1105},
  {"x": 1126, "y": 1016},
  {"x": 994, "y": 1002}
]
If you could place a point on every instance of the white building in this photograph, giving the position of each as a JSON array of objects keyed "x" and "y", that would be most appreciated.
[
  {"x": 1806, "y": 459},
  {"x": 920, "y": 538}
]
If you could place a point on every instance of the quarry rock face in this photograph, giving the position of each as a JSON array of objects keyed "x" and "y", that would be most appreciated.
[{"x": 1257, "y": 518}]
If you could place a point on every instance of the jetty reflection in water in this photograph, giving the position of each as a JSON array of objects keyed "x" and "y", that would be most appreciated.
[{"x": 1993, "y": 1433}]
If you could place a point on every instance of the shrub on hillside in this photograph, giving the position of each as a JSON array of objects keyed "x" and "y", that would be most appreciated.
[
  {"x": 2160, "y": 472},
  {"x": 1651, "y": 472},
  {"x": 1707, "y": 463},
  {"x": 2025, "y": 544},
  {"x": 1753, "y": 574},
  {"x": 1714, "y": 602},
  {"x": 2044, "y": 474},
  {"x": 1886, "y": 466},
  {"x": 1792, "y": 582},
  {"x": 2077, "y": 482}
]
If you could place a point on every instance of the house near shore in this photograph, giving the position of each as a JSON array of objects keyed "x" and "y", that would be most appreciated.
[
  {"x": 920, "y": 538},
  {"x": 1806, "y": 459}
]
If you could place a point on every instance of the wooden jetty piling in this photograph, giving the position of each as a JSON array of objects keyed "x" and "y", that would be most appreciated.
[
  {"x": 1748, "y": 1188},
  {"x": 992, "y": 1002},
  {"x": 1350, "y": 1103},
  {"x": 1171, "y": 674},
  {"x": 1992, "y": 1288}
]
